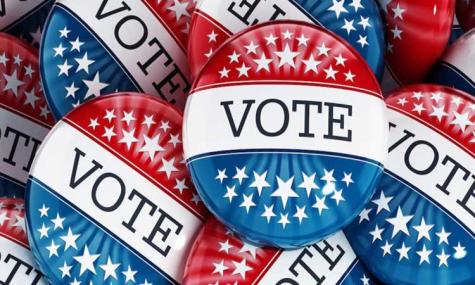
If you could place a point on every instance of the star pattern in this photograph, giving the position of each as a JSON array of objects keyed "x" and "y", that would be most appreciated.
[{"x": 395, "y": 30}]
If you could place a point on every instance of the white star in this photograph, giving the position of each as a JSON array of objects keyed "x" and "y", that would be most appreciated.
[
  {"x": 365, "y": 280},
  {"x": 363, "y": 41},
  {"x": 287, "y": 56},
  {"x": 168, "y": 167},
  {"x": 234, "y": 57},
  {"x": 308, "y": 183},
  {"x": 323, "y": 50},
  {"x": 348, "y": 26},
  {"x": 84, "y": 63},
  {"x": 387, "y": 248},
  {"x": 3, "y": 218},
  {"x": 377, "y": 233},
  {"x": 148, "y": 121},
  {"x": 364, "y": 22},
  {"x": 224, "y": 73},
  {"x": 87, "y": 261},
  {"x": 443, "y": 236},
  {"x": 417, "y": 95},
  {"x": 221, "y": 175},
  {"x": 287, "y": 35},
  {"x": 303, "y": 40},
  {"x": 58, "y": 222},
  {"x": 243, "y": 70},
  {"x": 196, "y": 199},
  {"x": 75, "y": 282},
  {"x": 328, "y": 176},
  {"x": 300, "y": 214},
  {"x": 174, "y": 140},
  {"x": 347, "y": 178},
  {"x": 180, "y": 9},
  {"x": 76, "y": 45},
  {"x": 220, "y": 268},
  {"x": 460, "y": 251},
  {"x": 436, "y": 96},
  {"x": 263, "y": 63},
  {"x": 72, "y": 89},
  {"x": 251, "y": 48},
  {"x": 64, "y": 68},
  {"x": 330, "y": 73},
  {"x": 209, "y": 53},
  {"x": 383, "y": 202},
  {"x": 109, "y": 269},
  {"x": 338, "y": 197},
  {"x": 419, "y": 108},
  {"x": 349, "y": 76},
  {"x": 438, "y": 112},
  {"x": 402, "y": 101},
  {"x": 424, "y": 255},
  {"x": 128, "y": 138},
  {"x": 443, "y": 258},
  {"x": 399, "y": 223},
  {"x": 151, "y": 146},
  {"x": 64, "y": 32},
  {"x": 284, "y": 220},
  {"x": 403, "y": 251},
  {"x": 338, "y": 7},
  {"x": 246, "y": 247},
  {"x": 43, "y": 211},
  {"x": 29, "y": 70},
  {"x": 129, "y": 275},
  {"x": 31, "y": 98},
  {"x": 396, "y": 33},
  {"x": 364, "y": 215},
  {"x": 93, "y": 123},
  {"x": 110, "y": 115},
  {"x": 52, "y": 249},
  {"x": 462, "y": 121},
  {"x": 423, "y": 230},
  {"x": 340, "y": 60},
  {"x": 247, "y": 202},
  {"x": 320, "y": 205},
  {"x": 94, "y": 87},
  {"x": 230, "y": 193},
  {"x": 260, "y": 182},
  {"x": 225, "y": 246},
  {"x": 165, "y": 126},
  {"x": 240, "y": 174},
  {"x": 70, "y": 240},
  {"x": 268, "y": 212},
  {"x": 65, "y": 270},
  {"x": 311, "y": 64},
  {"x": 59, "y": 50},
  {"x": 212, "y": 37},
  {"x": 43, "y": 231},
  {"x": 44, "y": 111},
  {"x": 17, "y": 60},
  {"x": 356, "y": 4},
  {"x": 270, "y": 40},
  {"x": 3, "y": 59},
  {"x": 284, "y": 190},
  {"x": 109, "y": 133},
  {"x": 181, "y": 185},
  {"x": 12, "y": 82},
  {"x": 398, "y": 12},
  {"x": 144, "y": 283}
]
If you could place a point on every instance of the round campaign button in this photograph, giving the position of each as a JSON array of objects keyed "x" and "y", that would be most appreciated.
[
  {"x": 419, "y": 227},
  {"x": 417, "y": 33},
  {"x": 24, "y": 115},
  {"x": 359, "y": 22},
  {"x": 281, "y": 154},
  {"x": 121, "y": 205},
  {"x": 109, "y": 46},
  {"x": 220, "y": 257},
  {"x": 456, "y": 68},
  {"x": 24, "y": 19},
  {"x": 18, "y": 264}
]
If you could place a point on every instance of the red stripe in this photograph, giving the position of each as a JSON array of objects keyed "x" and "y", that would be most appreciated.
[{"x": 136, "y": 168}]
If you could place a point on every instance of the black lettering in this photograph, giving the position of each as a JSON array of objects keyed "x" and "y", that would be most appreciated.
[
  {"x": 470, "y": 196},
  {"x": 174, "y": 86},
  {"x": 36, "y": 144},
  {"x": 237, "y": 131},
  {"x": 286, "y": 281},
  {"x": 165, "y": 233},
  {"x": 300, "y": 261},
  {"x": 278, "y": 11},
  {"x": 407, "y": 136},
  {"x": 339, "y": 121},
  {"x": 143, "y": 201},
  {"x": 161, "y": 51},
  {"x": 433, "y": 164},
  {"x": 73, "y": 183},
  {"x": 10, "y": 160},
  {"x": 18, "y": 264},
  {"x": 453, "y": 172},
  {"x": 307, "y": 104},
  {"x": 247, "y": 7},
  {"x": 101, "y": 15},
  {"x": 120, "y": 199},
  {"x": 138, "y": 43},
  {"x": 285, "y": 112},
  {"x": 327, "y": 247}
]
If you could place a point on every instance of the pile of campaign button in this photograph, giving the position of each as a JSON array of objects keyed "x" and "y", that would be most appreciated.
[
  {"x": 417, "y": 35},
  {"x": 110, "y": 46},
  {"x": 113, "y": 177},
  {"x": 419, "y": 228},
  {"x": 220, "y": 257},
  {"x": 359, "y": 22},
  {"x": 456, "y": 68},
  {"x": 24, "y": 19},
  {"x": 17, "y": 263},
  {"x": 281, "y": 155},
  {"x": 25, "y": 118}
]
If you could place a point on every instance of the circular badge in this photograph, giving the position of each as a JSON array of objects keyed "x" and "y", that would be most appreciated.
[
  {"x": 18, "y": 264},
  {"x": 417, "y": 34},
  {"x": 220, "y": 257},
  {"x": 466, "y": 14},
  {"x": 276, "y": 134},
  {"x": 24, "y": 19},
  {"x": 24, "y": 115},
  {"x": 110, "y": 46},
  {"x": 121, "y": 202},
  {"x": 456, "y": 68},
  {"x": 419, "y": 228},
  {"x": 358, "y": 22}
]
